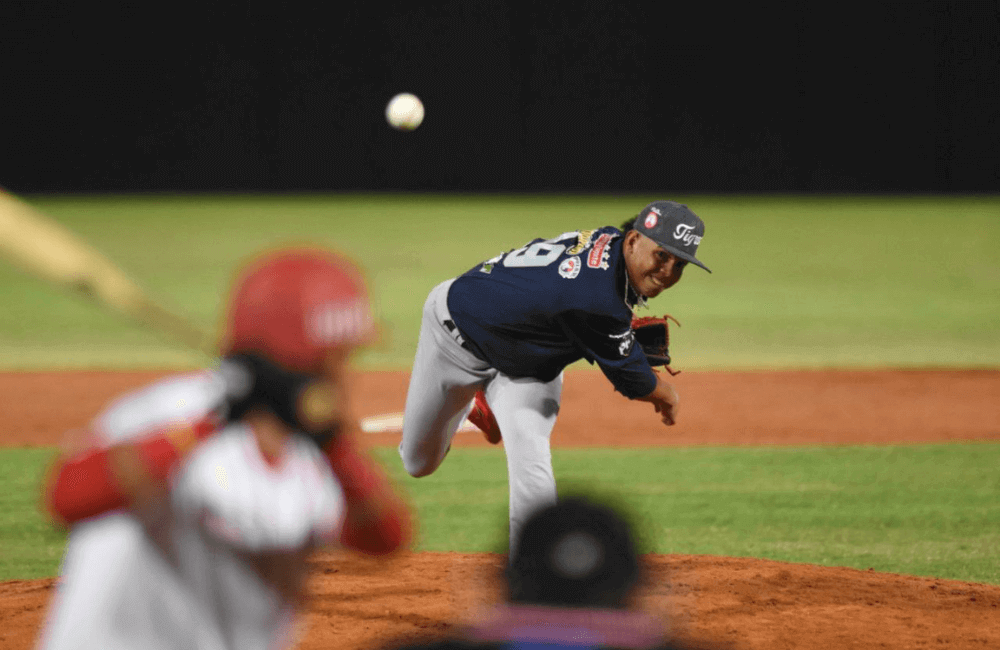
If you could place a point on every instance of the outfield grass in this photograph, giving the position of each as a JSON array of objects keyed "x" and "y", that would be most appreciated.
[
  {"x": 931, "y": 510},
  {"x": 797, "y": 282}
]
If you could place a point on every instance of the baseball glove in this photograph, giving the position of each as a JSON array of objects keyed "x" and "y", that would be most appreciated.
[{"x": 652, "y": 333}]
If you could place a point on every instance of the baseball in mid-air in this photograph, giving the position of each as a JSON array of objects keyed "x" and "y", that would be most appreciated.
[{"x": 405, "y": 112}]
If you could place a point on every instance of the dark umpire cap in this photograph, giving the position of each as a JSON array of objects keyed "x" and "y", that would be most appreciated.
[
  {"x": 576, "y": 553},
  {"x": 674, "y": 227}
]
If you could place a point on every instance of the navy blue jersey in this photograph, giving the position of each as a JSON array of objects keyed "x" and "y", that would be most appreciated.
[{"x": 532, "y": 311}]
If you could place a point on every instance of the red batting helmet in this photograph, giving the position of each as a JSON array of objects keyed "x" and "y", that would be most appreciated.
[{"x": 293, "y": 305}]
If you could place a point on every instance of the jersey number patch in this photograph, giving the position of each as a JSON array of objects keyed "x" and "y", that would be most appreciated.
[{"x": 540, "y": 253}]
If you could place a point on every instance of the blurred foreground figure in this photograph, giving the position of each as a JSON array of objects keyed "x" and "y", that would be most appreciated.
[
  {"x": 195, "y": 502},
  {"x": 571, "y": 584}
]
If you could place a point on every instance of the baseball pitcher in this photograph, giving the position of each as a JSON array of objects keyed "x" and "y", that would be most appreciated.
[
  {"x": 198, "y": 498},
  {"x": 495, "y": 340}
]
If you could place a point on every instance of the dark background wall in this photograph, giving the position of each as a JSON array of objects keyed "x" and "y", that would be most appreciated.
[{"x": 592, "y": 96}]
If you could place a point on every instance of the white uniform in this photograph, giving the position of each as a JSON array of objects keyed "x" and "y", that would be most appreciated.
[{"x": 219, "y": 564}]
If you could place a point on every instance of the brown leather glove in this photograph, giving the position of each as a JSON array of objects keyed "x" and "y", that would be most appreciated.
[{"x": 652, "y": 333}]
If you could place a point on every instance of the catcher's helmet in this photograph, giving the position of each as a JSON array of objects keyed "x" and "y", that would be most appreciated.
[{"x": 293, "y": 305}]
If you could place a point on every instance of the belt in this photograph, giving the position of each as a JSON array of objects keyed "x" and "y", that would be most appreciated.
[{"x": 453, "y": 328}]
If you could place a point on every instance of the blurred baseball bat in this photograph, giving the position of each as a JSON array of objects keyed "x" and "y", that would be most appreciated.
[{"x": 45, "y": 248}]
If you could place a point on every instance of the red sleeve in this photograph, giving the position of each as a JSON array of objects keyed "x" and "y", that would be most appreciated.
[
  {"x": 84, "y": 485},
  {"x": 377, "y": 521}
]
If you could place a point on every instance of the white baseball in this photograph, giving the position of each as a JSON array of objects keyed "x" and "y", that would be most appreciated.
[{"x": 405, "y": 112}]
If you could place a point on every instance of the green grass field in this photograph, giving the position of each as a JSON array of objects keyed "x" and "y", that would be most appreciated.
[
  {"x": 925, "y": 510},
  {"x": 798, "y": 282}
]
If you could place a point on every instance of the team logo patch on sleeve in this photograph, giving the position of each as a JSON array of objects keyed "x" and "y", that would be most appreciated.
[
  {"x": 583, "y": 239},
  {"x": 569, "y": 268},
  {"x": 625, "y": 342},
  {"x": 598, "y": 257}
]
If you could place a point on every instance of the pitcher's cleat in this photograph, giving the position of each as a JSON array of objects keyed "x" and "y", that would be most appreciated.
[{"x": 482, "y": 417}]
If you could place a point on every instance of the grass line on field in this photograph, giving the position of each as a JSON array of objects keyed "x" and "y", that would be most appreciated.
[{"x": 798, "y": 281}]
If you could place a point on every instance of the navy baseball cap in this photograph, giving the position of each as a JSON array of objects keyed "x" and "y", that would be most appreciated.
[
  {"x": 576, "y": 552},
  {"x": 674, "y": 227}
]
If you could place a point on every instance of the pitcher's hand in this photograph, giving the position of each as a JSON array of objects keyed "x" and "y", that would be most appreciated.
[{"x": 665, "y": 400}]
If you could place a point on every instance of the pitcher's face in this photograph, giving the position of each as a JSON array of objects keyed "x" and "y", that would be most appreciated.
[{"x": 650, "y": 268}]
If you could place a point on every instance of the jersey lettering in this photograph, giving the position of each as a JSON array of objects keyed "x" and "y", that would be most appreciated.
[
  {"x": 598, "y": 257},
  {"x": 683, "y": 232},
  {"x": 336, "y": 322}
]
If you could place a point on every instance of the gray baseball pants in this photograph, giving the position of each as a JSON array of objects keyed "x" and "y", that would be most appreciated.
[{"x": 445, "y": 378}]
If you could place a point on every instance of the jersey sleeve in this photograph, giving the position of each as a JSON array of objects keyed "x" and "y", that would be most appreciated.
[
  {"x": 231, "y": 493},
  {"x": 163, "y": 420},
  {"x": 610, "y": 343}
]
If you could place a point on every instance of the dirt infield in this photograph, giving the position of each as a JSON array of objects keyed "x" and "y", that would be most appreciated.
[{"x": 745, "y": 603}]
